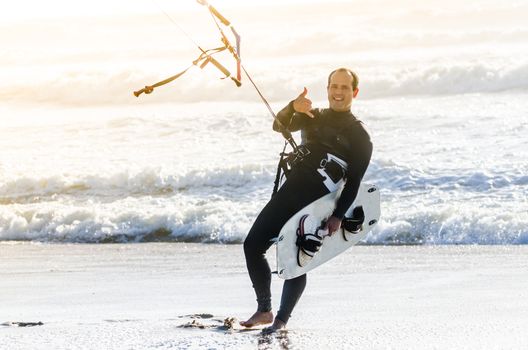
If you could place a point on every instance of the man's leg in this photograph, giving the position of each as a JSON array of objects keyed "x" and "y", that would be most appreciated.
[
  {"x": 259, "y": 239},
  {"x": 292, "y": 197},
  {"x": 291, "y": 293}
]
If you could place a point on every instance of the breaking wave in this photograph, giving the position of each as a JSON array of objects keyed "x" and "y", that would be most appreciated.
[
  {"x": 219, "y": 206},
  {"x": 94, "y": 87}
]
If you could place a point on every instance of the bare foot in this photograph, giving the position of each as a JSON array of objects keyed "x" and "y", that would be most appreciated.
[
  {"x": 258, "y": 318},
  {"x": 277, "y": 325}
]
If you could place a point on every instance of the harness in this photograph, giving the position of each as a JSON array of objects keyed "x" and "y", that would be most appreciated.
[{"x": 332, "y": 168}]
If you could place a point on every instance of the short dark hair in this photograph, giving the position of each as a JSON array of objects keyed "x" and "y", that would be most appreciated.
[{"x": 355, "y": 80}]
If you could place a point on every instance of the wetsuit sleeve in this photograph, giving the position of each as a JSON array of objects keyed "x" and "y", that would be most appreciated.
[
  {"x": 358, "y": 161},
  {"x": 292, "y": 120}
]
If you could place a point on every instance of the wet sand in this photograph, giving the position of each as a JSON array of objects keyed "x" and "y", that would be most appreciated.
[{"x": 177, "y": 296}]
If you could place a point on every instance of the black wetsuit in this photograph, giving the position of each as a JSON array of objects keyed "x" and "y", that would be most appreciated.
[{"x": 337, "y": 133}]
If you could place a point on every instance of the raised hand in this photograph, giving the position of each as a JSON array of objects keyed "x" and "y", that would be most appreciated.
[{"x": 302, "y": 104}]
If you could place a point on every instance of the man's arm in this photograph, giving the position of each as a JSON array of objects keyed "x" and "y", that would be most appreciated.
[
  {"x": 293, "y": 117},
  {"x": 357, "y": 166},
  {"x": 285, "y": 116}
]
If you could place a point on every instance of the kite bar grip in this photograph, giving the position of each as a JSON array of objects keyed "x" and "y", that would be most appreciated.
[
  {"x": 146, "y": 90},
  {"x": 204, "y": 63},
  {"x": 219, "y": 16},
  {"x": 219, "y": 66},
  {"x": 214, "y": 12},
  {"x": 237, "y": 82}
]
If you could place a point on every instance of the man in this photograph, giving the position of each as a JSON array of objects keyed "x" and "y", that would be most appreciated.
[{"x": 340, "y": 147}]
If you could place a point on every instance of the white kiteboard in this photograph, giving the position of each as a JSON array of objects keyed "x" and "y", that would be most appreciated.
[{"x": 287, "y": 261}]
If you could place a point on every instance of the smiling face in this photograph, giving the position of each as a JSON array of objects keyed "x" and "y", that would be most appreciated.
[{"x": 340, "y": 91}]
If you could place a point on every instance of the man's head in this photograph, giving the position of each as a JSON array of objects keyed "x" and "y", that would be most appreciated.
[{"x": 342, "y": 88}]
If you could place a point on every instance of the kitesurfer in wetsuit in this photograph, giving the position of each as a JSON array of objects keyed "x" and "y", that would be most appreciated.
[{"x": 340, "y": 148}]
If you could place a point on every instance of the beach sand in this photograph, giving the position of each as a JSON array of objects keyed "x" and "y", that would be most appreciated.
[{"x": 141, "y": 296}]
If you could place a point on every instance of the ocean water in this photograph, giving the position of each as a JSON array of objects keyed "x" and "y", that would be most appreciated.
[{"x": 82, "y": 160}]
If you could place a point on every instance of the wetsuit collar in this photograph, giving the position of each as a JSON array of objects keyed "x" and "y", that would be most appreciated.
[{"x": 341, "y": 114}]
